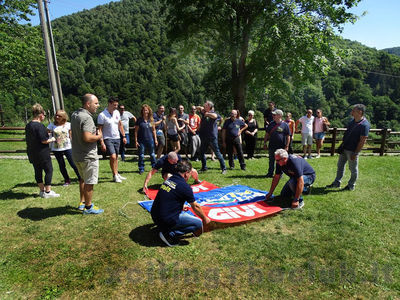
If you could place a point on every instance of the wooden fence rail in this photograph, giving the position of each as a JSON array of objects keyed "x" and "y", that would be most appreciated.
[{"x": 380, "y": 140}]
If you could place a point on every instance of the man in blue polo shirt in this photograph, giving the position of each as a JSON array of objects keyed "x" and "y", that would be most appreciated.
[
  {"x": 209, "y": 135},
  {"x": 278, "y": 135},
  {"x": 159, "y": 118},
  {"x": 167, "y": 210},
  {"x": 231, "y": 133},
  {"x": 167, "y": 164},
  {"x": 353, "y": 141},
  {"x": 301, "y": 174}
]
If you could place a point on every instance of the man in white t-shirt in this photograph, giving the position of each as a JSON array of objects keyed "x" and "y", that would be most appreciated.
[
  {"x": 306, "y": 132},
  {"x": 125, "y": 117},
  {"x": 109, "y": 122}
]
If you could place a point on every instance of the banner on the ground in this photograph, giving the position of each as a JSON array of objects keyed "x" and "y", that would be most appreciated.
[{"x": 231, "y": 204}]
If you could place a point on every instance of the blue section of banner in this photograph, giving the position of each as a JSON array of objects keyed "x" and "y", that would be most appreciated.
[{"x": 226, "y": 196}]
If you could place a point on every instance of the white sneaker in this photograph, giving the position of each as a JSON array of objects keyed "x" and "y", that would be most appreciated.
[
  {"x": 50, "y": 194},
  {"x": 41, "y": 193},
  {"x": 117, "y": 179},
  {"x": 318, "y": 156},
  {"x": 121, "y": 177}
]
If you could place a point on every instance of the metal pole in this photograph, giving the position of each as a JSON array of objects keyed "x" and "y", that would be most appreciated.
[
  {"x": 53, "y": 52},
  {"x": 49, "y": 57}
]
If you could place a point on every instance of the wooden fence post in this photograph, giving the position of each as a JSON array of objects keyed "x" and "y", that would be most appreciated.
[
  {"x": 334, "y": 135},
  {"x": 1, "y": 115},
  {"x": 384, "y": 134}
]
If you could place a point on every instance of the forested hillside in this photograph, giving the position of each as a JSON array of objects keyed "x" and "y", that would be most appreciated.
[
  {"x": 121, "y": 49},
  {"x": 394, "y": 50}
]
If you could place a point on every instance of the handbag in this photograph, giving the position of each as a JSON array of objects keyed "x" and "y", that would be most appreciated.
[{"x": 325, "y": 127}]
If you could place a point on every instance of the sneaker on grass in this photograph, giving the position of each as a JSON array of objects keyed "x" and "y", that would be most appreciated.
[
  {"x": 81, "y": 206},
  {"x": 117, "y": 179},
  {"x": 94, "y": 210},
  {"x": 333, "y": 185},
  {"x": 50, "y": 194},
  {"x": 121, "y": 177},
  {"x": 168, "y": 240}
]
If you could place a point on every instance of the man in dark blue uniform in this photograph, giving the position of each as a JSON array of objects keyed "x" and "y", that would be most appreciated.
[
  {"x": 209, "y": 135},
  {"x": 231, "y": 137},
  {"x": 278, "y": 135},
  {"x": 167, "y": 164},
  {"x": 167, "y": 213},
  {"x": 301, "y": 174},
  {"x": 353, "y": 141}
]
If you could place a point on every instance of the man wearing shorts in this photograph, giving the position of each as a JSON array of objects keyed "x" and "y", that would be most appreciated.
[
  {"x": 306, "y": 132},
  {"x": 109, "y": 122},
  {"x": 84, "y": 151}
]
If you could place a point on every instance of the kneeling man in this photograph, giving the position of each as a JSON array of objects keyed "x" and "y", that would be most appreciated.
[
  {"x": 301, "y": 174},
  {"x": 167, "y": 208},
  {"x": 167, "y": 164}
]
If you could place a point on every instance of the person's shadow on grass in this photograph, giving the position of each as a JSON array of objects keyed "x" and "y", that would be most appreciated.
[
  {"x": 39, "y": 213},
  {"x": 147, "y": 235},
  {"x": 11, "y": 195}
]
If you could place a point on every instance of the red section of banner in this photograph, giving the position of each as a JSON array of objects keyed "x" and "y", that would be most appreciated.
[
  {"x": 204, "y": 186},
  {"x": 240, "y": 213}
]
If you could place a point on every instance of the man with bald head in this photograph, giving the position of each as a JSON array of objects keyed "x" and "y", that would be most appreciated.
[
  {"x": 231, "y": 132},
  {"x": 84, "y": 151},
  {"x": 167, "y": 164}
]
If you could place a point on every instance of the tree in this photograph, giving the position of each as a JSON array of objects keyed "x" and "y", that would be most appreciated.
[{"x": 262, "y": 39}]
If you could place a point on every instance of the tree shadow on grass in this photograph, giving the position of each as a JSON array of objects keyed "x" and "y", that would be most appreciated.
[
  {"x": 39, "y": 213},
  {"x": 147, "y": 235}
]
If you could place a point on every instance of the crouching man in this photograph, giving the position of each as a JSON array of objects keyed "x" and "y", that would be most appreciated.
[
  {"x": 167, "y": 164},
  {"x": 167, "y": 208},
  {"x": 301, "y": 174}
]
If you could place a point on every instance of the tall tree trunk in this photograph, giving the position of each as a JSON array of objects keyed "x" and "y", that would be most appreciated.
[{"x": 239, "y": 76}]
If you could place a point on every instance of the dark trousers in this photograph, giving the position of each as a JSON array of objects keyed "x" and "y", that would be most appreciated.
[
  {"x": 61, "y": 163},
  {"x": 271, "y": 166},
  {"x": 45, "y": 166},
  {"x": 235, "y": 142},
  {"x": 213, "y": 143},
  {"x": 250, "y": 145}
]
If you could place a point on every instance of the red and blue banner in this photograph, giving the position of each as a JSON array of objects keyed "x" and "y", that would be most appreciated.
[{"x": 231, "y": 204}]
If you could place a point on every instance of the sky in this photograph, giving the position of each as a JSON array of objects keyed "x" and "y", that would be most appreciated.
[{"x": 377, "y": 28}]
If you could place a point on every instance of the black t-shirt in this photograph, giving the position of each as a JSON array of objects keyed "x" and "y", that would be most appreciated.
[
  {"x": 355, "y": 130},
  {"x": 209, "y": 126},
  {"x": 277, "y": 138},
  {"x": 232, "y": 127},
  {"x": 35, "y": 133},
  {"x": 165, "y": 165},
  {"x": 296, "y": 167},
  {"x": 171, "y": 197},
  {"x": 268, "y": 114},
  {"x": 252, "y": 126}
]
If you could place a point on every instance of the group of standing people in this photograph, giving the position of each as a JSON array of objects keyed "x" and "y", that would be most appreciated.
[{"x": 78, "y": 140}]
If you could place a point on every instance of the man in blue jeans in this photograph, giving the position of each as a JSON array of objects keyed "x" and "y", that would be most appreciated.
[
  {"x": 353, "y": 141},
  {"x": 209, "y": 135},
  {"x": 301, "y": 174},
  {"x": 167, "y": 210}
]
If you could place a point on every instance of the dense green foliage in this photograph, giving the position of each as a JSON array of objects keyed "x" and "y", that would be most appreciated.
[
  {"x": 122, "y": 49},
  {"x": 261, "y": 40}
]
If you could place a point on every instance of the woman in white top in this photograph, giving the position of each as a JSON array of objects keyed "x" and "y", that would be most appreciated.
[
  {"x": 321, "y": 125},
  {"x": 61, "y": 131},
  {"x": 172, "y": 130}
]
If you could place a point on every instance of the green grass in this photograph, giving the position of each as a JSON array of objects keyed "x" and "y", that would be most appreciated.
[{"x": 341, "y": 245}]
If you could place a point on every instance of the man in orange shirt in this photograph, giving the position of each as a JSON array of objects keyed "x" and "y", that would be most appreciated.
[{"x": 194, "y": 139}]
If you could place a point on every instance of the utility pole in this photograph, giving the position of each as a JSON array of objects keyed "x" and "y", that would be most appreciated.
[{"x": 52, "y": 67}]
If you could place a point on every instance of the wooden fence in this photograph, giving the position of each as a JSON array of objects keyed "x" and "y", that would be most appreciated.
[{"x": 379, "y": 141}]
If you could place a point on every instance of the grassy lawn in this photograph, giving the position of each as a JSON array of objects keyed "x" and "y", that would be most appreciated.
[{"x": 341, "y": 245}]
